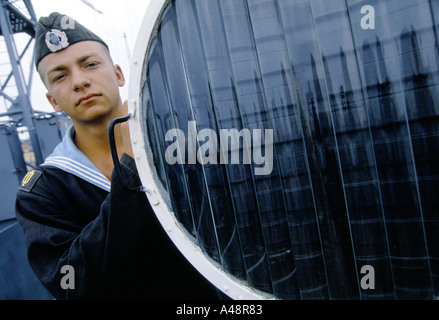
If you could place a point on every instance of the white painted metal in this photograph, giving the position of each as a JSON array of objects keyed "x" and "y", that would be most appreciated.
[{"x": 231, "y": 286}]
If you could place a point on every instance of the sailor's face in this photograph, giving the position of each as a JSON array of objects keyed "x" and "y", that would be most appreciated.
[{"x": 82, "y": 81}]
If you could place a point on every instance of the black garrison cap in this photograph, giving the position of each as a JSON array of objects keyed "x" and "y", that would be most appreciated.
[{"x": 56, "y": 32}]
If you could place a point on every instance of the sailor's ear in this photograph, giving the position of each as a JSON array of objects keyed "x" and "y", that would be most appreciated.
[{"x": 53, "y": 102}]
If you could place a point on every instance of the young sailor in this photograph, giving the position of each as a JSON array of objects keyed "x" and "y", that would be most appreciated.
[{"x": 86, "y": 236}]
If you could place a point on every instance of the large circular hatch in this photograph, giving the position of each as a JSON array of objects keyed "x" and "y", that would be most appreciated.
[{"x": 290, "y": 147}]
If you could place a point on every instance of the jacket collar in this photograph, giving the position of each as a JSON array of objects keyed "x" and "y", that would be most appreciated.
[{"x": 67, "y": 157}]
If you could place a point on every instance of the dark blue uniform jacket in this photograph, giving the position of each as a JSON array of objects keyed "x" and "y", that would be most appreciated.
[{"x": 111, "y": 238}]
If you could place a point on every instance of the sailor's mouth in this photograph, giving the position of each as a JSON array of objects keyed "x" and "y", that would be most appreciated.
[{"x": 87, "y": 99}]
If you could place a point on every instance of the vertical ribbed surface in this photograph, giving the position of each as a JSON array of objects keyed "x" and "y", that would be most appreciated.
[{"x": 355, "y": 153}]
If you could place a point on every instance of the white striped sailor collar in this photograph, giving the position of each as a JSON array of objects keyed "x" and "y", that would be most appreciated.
[{"x": 67, "y": 157}]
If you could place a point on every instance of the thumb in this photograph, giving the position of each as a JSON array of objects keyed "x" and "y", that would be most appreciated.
[{"x": 126, "y": 133}]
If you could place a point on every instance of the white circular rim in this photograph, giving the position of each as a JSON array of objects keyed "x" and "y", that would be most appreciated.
[{"x": 231, "y": 286}]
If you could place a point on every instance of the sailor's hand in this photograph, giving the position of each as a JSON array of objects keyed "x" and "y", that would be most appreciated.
[{"x": 124, "y": 128}]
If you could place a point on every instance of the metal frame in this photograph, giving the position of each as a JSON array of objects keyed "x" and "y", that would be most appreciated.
[
  {"x": 211, "y": 270},
  {"x": 21, "y": 108}
]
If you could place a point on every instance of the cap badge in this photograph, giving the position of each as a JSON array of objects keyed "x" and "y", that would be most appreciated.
[{"x": 56, "y": 40}]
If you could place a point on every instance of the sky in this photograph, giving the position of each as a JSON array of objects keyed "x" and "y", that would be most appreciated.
[{"x": 118, "y": 18}]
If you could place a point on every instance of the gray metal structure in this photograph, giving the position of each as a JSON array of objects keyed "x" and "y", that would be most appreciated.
[
  {"x": 18, "y": 17},
  {"x": 43, "y": 132}
]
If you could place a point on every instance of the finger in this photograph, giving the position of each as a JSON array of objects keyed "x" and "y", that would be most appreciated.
[{"x": 125, "y": 107}]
